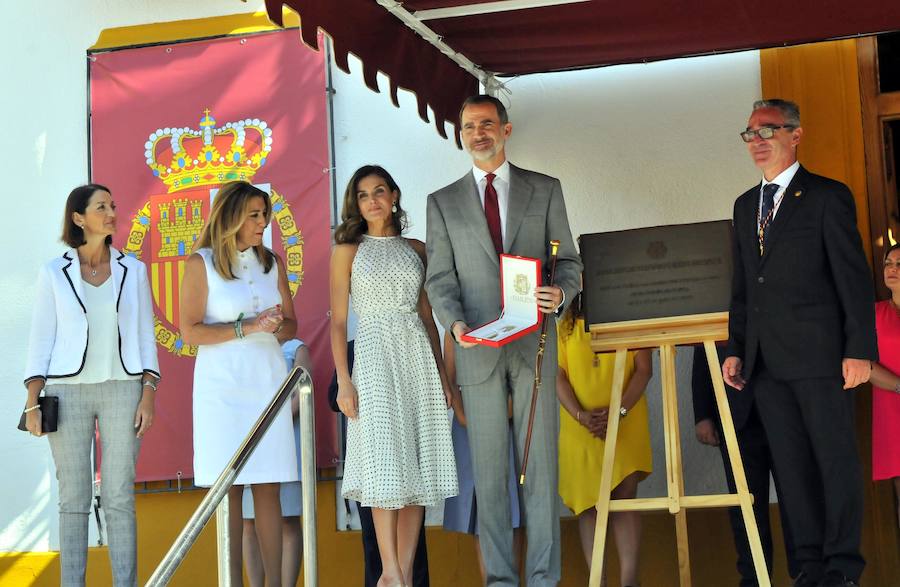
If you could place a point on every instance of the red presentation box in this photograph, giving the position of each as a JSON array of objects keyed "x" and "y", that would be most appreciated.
[{"x": 519, "y": 315}]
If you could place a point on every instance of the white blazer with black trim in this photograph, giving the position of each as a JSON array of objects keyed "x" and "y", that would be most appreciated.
[{"x": 57, "y": 346}]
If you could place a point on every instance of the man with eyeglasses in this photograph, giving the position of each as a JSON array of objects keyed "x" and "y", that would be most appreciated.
[{"x": 802, "y": 333}]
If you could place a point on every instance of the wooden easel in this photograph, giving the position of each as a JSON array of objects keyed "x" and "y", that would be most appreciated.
[{"x": 665, "y": 333}]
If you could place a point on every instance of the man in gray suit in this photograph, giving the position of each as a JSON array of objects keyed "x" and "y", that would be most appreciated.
[{"x": 497, "y": 208}]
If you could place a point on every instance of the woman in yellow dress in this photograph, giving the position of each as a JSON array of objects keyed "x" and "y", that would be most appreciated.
[{"x": 584, "y": 386}]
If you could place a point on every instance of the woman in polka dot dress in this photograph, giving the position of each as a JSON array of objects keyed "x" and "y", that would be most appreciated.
[{"x": 399, "y": 450}]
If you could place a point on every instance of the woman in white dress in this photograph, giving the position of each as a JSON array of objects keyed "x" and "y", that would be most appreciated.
[
  {"x": 399, "y": 450},
  {"x": 236, "y": 305}
]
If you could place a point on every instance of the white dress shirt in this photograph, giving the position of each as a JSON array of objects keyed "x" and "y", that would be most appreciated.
[{"x": 501, "y": 185}]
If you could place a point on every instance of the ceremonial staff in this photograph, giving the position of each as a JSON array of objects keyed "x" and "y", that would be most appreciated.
[{"x": 538, "y": 364}]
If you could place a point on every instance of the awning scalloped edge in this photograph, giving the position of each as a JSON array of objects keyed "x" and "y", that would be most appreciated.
[{"x": 386, "y": 45}]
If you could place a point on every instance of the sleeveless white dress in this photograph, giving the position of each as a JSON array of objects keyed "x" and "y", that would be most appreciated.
[
  {"x": 399, "y": 450},
  {"x": 235, "y": 380}
]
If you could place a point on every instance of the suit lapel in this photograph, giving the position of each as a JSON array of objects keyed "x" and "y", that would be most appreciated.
[
  {"x": 72, "y": 272},
  {"x": 473, "y": 214},
  {"x": 520, "y": 193},
  {"x": 789, "y": 203}
]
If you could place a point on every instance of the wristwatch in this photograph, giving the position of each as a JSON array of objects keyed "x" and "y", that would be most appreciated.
[{"x": 623, "y": 411}]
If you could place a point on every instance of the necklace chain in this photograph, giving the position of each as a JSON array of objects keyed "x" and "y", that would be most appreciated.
[
  {"x": 763, "y": 223},
  {"x": 93, "y": 268}
]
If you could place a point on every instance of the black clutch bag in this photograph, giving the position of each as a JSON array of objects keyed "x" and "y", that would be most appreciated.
[{"x": 49, "y": 414}]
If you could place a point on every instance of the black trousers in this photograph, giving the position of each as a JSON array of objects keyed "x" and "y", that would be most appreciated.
[
  {"x": 373, "y": 556},
  {"x": 758, "y": 465},
  {"x": 810, "y": 427}
]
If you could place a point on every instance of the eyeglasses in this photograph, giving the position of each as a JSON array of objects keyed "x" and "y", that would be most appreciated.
[
  {"x": 766, "y": 132},
  {"x": 895, "y": 264}
]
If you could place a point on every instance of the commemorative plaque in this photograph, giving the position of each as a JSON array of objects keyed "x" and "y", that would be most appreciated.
[{"x": 657, "y": 272}]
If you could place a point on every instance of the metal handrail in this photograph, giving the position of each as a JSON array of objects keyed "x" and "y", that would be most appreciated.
[
  {"x": 308, "y": 487},
  {"x": 299, "y": 379}
]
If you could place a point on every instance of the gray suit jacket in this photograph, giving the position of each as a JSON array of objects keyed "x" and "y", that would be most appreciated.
[{"x": 463, "y": 277}]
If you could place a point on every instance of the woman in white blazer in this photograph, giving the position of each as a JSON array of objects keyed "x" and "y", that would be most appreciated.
[{"x": 92, "y": 345}]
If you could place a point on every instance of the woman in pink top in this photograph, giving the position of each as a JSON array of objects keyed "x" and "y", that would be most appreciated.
[{"x": 886, "y": 380}]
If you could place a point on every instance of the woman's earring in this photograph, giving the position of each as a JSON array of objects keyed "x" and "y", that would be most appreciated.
[{"x": 394, "y": 208}]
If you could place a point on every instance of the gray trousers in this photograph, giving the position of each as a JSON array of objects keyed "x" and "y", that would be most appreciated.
[
  {"x": 112, "y": 405},
  {"x": 486, "y": 415}
]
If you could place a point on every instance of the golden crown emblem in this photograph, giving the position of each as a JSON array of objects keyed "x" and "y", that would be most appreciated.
[{"x": 187, "y": 158}]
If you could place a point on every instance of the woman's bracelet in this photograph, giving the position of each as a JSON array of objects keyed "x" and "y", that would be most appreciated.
[
  {"x": 578, "y": 416},
  {"x": 32, "y": 408},
  {"x": 239, "y": 326},
  {"x": 149, "y": 383}
]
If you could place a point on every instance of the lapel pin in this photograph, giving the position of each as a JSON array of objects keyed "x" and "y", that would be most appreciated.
[{"x": 797, "y": 193}]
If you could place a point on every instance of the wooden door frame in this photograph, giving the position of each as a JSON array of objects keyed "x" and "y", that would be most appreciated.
[
  {"x": 876, "y": 109},
  {"x": 884, "y": 215}
]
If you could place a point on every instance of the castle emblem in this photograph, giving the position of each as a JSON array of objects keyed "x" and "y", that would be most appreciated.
[
  {"x": 176, "y": 229},
  {"x": 175, "y": 223}
]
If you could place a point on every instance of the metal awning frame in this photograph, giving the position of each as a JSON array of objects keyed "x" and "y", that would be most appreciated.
[{"x": 416, "y": 22}]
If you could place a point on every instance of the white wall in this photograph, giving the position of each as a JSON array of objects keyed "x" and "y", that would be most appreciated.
[
  {"x": 640, "y": 145},
  {"x": 633, "y": 145}
]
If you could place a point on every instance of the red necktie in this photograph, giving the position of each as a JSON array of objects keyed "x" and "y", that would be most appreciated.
[{"x": 492, "y": 212}]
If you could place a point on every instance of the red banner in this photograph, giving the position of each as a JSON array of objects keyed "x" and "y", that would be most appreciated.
[{"x": 172, "y": 123}]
